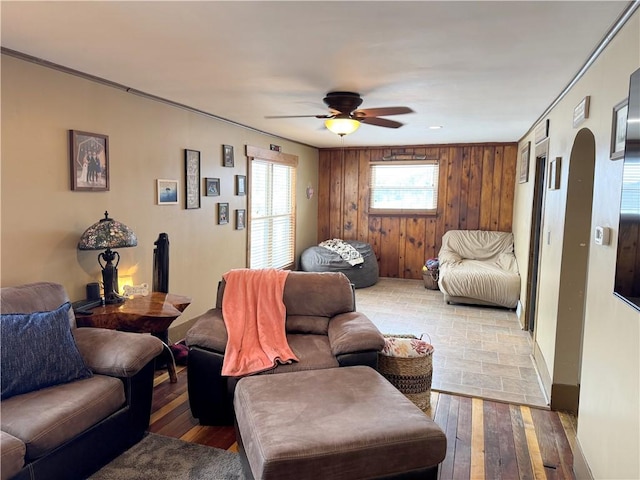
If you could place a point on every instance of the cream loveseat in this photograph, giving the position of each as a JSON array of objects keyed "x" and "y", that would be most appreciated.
[{"x": 479, "y": 267}]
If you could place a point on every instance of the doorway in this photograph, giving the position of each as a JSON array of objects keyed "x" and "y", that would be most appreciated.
[{"x": 536, "y": 234}]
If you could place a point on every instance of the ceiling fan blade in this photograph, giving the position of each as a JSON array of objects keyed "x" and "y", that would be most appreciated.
[
  {"x": 382, "y": 112},
  {"x": 381, "y": 122},
  {"x": 298, "y": 116}
]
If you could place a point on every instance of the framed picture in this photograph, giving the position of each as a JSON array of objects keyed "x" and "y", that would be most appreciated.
[
  {"x": 524, "y": 163},
  {"x": 619, "y": 129},
  {"x": 241, "y": 184},
  {"x": 167, "y": 192},
  {"x": 192, "y": 179},
  {"x": 223, "y": 213},
  {"x": 212, "y": 187},
  {"x": 89, "y": 161},
  {"x": 227, "y": 156},
  {"x": 581, "y": 112},
  {"x": 241, "y": 219},
  {"x": 542, "y": 131},
  {"x": 554, "y": 173}
]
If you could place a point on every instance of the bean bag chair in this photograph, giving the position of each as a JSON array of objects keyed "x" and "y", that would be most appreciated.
[{"x": 321, "y": 259}]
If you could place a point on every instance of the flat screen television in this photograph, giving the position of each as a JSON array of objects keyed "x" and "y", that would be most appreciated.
[{"x": 627, "y": 279}]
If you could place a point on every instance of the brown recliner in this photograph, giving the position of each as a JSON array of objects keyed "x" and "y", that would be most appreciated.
[{"x": 323, "y": 330}]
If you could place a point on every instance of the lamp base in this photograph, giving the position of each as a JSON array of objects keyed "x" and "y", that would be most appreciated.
[
  {"x": 110, "y": 279},
  {"x": 112, "y": 298}
]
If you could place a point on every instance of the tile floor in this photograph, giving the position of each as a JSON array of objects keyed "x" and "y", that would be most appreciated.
[{"x": 478, "y": 351}]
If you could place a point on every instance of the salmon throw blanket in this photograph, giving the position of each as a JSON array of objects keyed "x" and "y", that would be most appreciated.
[{"x": 255, "y": 315}]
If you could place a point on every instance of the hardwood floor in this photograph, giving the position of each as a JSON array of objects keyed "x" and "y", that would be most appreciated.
[{"x": 486, "y": 439}]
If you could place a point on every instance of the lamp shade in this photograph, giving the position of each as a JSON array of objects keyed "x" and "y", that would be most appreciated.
[
  {"x": 342, "y": 125},
  {"x": 107, "y": 233}
]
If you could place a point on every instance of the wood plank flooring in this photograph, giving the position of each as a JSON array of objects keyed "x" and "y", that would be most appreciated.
[{"x": 486, "y": 439}]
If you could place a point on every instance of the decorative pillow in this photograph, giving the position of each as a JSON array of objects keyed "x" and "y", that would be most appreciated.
[
  {"x": 406, "y": 347},
  {"x": 37, "y": 350}
]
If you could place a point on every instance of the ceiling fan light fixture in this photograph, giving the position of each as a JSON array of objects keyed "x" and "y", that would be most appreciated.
[{"x": 342, "y": 125}]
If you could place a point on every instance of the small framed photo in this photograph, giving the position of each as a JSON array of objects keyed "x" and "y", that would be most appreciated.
[
  {"x": 241, "y": 184},
  {"x": 223, "y": 213},
  {"x": 212, "y": 187},
  {"x": 554, "y": 173},
  {"x": 167, "y": 192},
  {"x": 619, "y": 129},
  {"x": 227, "y": 156},
  {"x": 524, "y": 163},
  {"x": 192, "y": 179},
  {"x": 241, "y": 219},
  {"x": 89, "y": 161}
]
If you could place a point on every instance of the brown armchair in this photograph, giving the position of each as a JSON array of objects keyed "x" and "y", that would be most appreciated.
[
  {"x": 68, "y": 426},
  {"x": 323, "y": 330}
]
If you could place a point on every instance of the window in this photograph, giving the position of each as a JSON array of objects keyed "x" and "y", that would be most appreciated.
[
  {"x": 630, "y": 201},
  {"x": 404, "y": 187},
  {"x": 272, "y": 222}
]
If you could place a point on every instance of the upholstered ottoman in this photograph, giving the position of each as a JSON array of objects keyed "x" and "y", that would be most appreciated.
[{"x": 338, "y": 423}]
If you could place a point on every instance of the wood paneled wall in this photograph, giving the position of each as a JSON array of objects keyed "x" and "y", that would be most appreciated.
[{"x": 475, "y": 193}]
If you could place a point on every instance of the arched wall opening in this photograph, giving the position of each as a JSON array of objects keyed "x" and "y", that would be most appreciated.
[{"x": 565, "y": 389}]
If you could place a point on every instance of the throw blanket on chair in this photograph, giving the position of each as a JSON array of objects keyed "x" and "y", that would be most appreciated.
[
  {"x": 255, "y": 315},
  {"x": 346, "y": 251}
]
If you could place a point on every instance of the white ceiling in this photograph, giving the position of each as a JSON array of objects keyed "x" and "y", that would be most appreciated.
[{"x": 485, "y": 71}]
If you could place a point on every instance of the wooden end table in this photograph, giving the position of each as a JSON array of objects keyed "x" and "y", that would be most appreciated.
[{"x": 151, "y": 314}]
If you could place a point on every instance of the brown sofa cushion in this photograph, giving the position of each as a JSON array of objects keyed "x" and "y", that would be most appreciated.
[
  {"x": 12, "y": 451},
  {"x": 319, "y": 294},
  {"x": 208, "y": 331},
  {"x": 307, "y": 324},
  {"x": 313, "y": 352},
  {"x": 354, "y": 332},
  {"x": 47, "y": 418},
  {"x": 118, "y": 354},
  {"x": 34, "y": 297}
]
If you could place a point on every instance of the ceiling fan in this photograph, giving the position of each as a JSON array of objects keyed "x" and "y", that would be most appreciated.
[{"x": 345, "y": 117}]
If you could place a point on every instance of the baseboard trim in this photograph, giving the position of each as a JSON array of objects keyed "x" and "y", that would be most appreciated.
[
  {"x": 565, "y": 398},
  {"x": 580, "y": 466},
  {"x": 542, "y": 368},
  {"x": 519, "y": 312}
]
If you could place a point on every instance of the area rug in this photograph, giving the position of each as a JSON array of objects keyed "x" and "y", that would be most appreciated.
[{"x": 160, "y": 457}]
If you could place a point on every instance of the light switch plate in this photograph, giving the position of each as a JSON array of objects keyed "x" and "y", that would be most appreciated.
[{"x": 602, "y": 235}]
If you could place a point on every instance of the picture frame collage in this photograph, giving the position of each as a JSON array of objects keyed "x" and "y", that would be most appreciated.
[
  {"x": 195, "y": 187},
  {"x": 89, "y": 171}
]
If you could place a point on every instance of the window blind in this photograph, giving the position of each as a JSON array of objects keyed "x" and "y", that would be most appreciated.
[
  {"x": 630, "y": 201},
  {"x": 272, "y": 215},
  {"x": 404, "y": 186}
]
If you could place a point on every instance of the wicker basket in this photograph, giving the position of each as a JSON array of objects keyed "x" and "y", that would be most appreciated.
[
  {"x": 412, "y": 376},
  {"x": 430, "y": 278}
]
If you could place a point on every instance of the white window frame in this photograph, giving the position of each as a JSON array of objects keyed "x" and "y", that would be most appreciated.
[
  {"x": 407, "y": 207},
  {"x": 271, "y": 158}
]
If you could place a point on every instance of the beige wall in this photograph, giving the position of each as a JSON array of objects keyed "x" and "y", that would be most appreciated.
[
  {"x": 609, "y": 375},
  {"x": 42, "y": 219}
]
